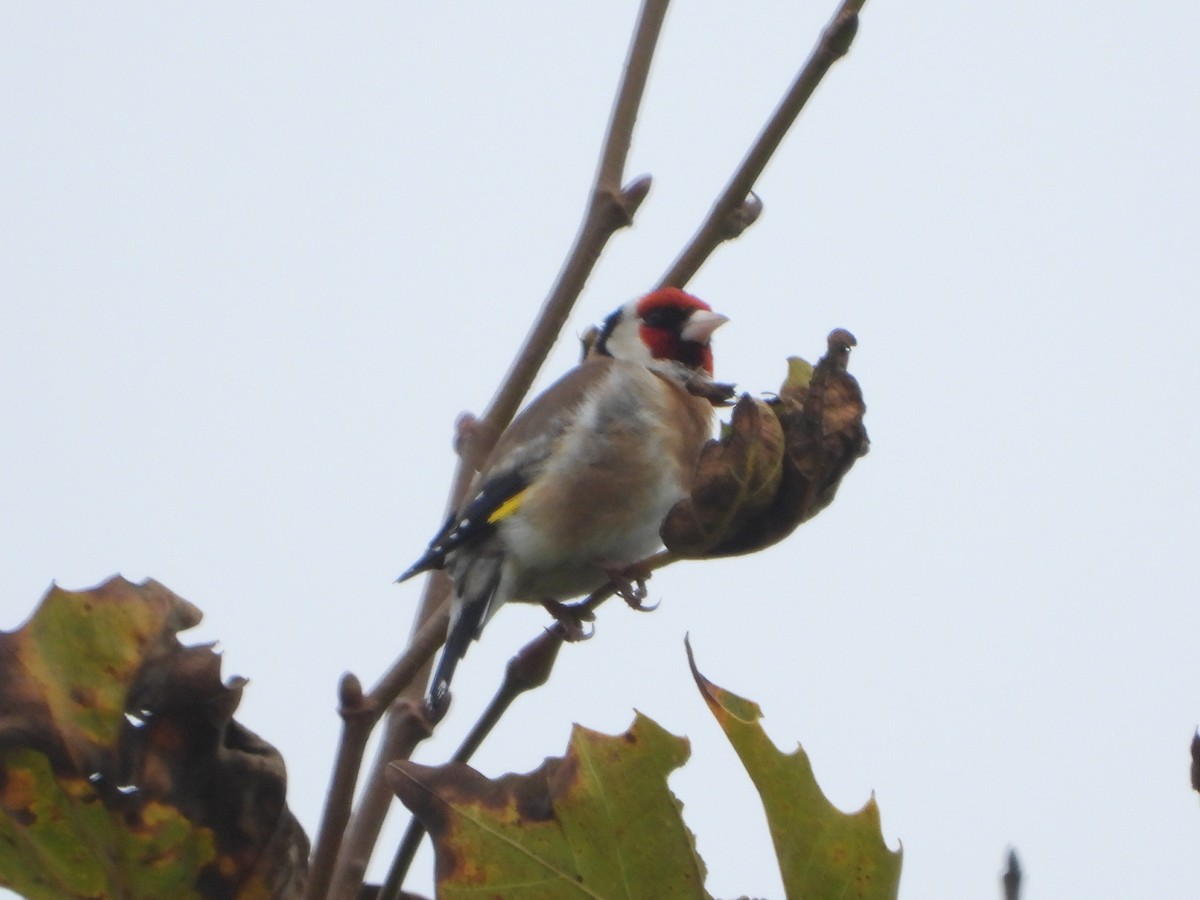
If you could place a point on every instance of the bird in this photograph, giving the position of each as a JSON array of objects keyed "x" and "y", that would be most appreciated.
[{"x": 577, "y": 486}]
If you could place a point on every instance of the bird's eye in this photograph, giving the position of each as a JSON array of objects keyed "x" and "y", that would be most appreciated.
[
  {"x": 654, "y": 319},
  {"x": 661, "y": 318}
]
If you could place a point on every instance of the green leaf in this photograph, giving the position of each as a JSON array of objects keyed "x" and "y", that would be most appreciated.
[
  {"x": 822, "y": 851},
  {"x": 799, "y": 375},
  {"x": 58, "y": 839},
  {"x": 599, "y": 822}
]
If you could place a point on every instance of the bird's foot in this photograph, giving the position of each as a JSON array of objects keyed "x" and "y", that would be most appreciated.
[
  {"x": 571, "y": 620},
  {"x": 630, "y": 586}
]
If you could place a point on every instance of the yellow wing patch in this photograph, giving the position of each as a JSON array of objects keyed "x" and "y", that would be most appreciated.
[{"x": 508, "y": 507}]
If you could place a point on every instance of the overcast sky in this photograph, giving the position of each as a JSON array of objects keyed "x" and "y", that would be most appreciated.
[{"x": 254, "y": 261}]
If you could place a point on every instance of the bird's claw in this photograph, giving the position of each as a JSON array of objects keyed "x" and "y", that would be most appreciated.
[
  {"x": 632, "y": 590},
  {"x": 571, "y": 620},
  {"x": 645, "y": 607}
]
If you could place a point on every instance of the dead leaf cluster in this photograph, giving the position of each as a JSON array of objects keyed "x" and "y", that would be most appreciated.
[{"x": 777, "y": 464}]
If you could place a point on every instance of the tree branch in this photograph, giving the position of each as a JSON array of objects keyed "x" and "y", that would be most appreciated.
[
  {"x": 737, "y": 207},
  {"x": 529, "y": 669},
  {"x": 359, "y": 716},
  {"x": 611, "y": 208}
]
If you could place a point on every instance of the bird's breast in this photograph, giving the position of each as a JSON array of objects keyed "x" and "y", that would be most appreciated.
[{"x": 613, "y": 475}]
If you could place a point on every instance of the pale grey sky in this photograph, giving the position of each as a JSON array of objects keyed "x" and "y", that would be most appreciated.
[{"x": 255, "y": 260}]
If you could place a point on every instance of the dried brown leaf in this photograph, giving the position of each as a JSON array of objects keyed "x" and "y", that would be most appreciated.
[
  {"x": 736, "y": 479},
  {"x": 742, "y": 500}
]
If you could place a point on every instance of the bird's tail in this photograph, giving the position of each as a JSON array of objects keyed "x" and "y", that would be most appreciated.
[
  {"x": 473, "y": 609},
  {"x": 463, "y": 630}
]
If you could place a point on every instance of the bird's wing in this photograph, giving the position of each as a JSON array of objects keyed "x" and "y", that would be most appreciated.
[
  {"x": 513, "y": 464},
  {"x": 532, "y": 435},
  {"x": 497, "y": 498}
]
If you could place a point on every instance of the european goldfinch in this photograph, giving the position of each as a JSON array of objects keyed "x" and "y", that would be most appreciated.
[{"x": 576, "y": 488}]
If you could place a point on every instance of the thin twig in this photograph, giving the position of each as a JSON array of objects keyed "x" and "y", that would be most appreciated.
[
  {"x": 611, "y": 208},
  {"x": 1012, "y": 877},
  {"x": 405, "y": 727},
  {"x": 529, "y": 669},
  {"x": 399, "y": 694},
  {"x": 1196, "y": 761},
  {"x": 359, "y": 716},
  {"x": 738, "y": 207}
]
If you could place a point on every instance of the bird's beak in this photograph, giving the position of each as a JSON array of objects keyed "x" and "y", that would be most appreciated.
[{"x": 701, "y": 324}]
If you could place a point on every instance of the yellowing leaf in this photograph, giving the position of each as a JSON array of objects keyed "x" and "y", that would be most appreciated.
[
  {"x": 122, "y": 771},
  {"x": 799, "y": 376},
  {"x": 822, "y": 851},
  {"x": 599, "y": 822},
  {"x": 73, "y": 845}
]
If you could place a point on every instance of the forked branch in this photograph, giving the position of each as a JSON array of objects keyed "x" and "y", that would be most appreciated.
[
  {"x": 360, "y": 713},
  {"x": 738, "y": 206},
  {"x": 611, "y": 207}
]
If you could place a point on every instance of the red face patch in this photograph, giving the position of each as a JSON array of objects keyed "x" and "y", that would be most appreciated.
[
  {"x": 669, "y": 298},
  {"x": 667, "y": 344},
  {"x": 662, "y": 316}
]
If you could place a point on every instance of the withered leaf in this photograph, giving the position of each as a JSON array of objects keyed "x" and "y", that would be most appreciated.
[
  {"x": 736, "y": 479},
  {"x": 819, "y": 412}
]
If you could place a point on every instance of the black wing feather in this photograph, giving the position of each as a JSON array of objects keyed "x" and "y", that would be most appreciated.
[{"x": 471, "y": 523}]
